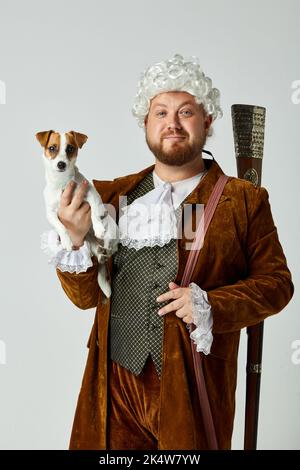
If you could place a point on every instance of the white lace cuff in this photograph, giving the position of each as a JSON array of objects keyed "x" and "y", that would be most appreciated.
[
  {"x": 202, "y": 319},
  {"x": 75, "y": 261}
]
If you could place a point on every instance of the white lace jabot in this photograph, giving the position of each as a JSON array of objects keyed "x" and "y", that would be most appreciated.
[{"x": 151, "y": 219}]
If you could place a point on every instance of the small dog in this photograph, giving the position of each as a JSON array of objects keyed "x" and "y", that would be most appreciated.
[{"x": 60, "y": 154}]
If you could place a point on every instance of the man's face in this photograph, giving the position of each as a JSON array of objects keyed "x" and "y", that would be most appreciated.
[{"x": 176, "y": 128}]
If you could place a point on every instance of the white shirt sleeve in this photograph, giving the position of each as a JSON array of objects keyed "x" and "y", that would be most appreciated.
[
  {"x": 75, "y": 261},
  {"x": 202, "y": 319}
]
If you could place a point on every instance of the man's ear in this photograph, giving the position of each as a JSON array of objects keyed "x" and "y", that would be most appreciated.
[
  {"x": 80, "y": 139},
  {"x": 207, "y": 122},
  {"x": 43, "y": 137}
]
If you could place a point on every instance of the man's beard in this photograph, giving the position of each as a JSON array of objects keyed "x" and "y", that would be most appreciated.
[{"x": 181, "y": 152}]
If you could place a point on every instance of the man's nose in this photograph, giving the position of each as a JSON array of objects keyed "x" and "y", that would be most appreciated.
[{"x": 174, "y": 123}]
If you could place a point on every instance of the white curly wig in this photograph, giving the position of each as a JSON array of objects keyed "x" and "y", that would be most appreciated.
[{"x": 176, "y": 74}]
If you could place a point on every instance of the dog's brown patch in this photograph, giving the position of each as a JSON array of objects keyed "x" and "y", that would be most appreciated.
[
  {"x": 53, "y": 145},
  {"x": 51, "y": 141},
  {"x": 74, "y": 140},
  {"x": 43, "y": 137},
  {"x": 71, "y": 146},
  {"x": 79, "y": 138}
]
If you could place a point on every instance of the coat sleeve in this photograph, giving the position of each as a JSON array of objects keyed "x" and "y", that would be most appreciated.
[
  {"x": 268, "y": 287},
  {"x": 83, "y": 288}
]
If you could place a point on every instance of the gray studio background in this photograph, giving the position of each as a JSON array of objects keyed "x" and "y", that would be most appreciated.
[{"x": 75, "y": 65}]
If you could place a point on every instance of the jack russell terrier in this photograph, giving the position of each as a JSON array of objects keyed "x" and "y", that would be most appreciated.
[{"x": 60, "y": 154}]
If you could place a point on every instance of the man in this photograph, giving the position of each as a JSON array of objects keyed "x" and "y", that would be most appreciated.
[{"x": 139, "y": 388}]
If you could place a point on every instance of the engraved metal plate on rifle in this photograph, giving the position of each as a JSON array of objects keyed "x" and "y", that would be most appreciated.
[
  {"x": 251, "y": 175},
  {"x": 248, "y": 130}
]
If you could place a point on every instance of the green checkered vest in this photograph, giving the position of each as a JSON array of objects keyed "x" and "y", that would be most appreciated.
[{"x": 139, "y": 277}]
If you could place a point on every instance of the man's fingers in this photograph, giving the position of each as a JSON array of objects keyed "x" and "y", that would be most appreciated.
[
  {"x": 85, "y": 207},
  {"x": 173, "y": 285},
  {"x": 175, "y": 305},
  {"x": 171, "y": 294},
  {"x": 67, "y": 194},
  {"x": 79, "y": 196}
]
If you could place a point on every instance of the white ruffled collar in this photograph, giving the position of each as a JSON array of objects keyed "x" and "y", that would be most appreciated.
[{"x": 151, "y": 219}]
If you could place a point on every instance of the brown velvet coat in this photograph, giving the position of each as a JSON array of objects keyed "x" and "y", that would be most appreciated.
[{"x": 243, "y": 269}]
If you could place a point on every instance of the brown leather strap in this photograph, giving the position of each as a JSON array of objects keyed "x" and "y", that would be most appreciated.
[{"x": 189, "y": 268}]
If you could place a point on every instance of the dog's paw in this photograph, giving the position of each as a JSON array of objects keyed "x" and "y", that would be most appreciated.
[
  {"x": 66, "y": 242},
  {"x": 110, "y": 245},
  {"x": 99, "y": 230}
]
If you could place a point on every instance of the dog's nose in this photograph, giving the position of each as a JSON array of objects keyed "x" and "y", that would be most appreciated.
[{"x": 61, "y": 165}]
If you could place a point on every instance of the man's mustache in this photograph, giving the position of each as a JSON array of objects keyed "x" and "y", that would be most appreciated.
[{"x": 177, "y": 134}]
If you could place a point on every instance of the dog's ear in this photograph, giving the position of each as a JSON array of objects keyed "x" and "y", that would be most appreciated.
[
  {"x": 80, "y": 139},
  {"x": 43, "y": 137}
]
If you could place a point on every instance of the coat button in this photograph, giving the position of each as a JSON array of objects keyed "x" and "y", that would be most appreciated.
[{"x": 159, "y": 264}]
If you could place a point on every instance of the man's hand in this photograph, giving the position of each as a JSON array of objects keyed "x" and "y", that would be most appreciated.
[
  {"x": 182, "y": 302},
  {"x": 75, "y": 213}
]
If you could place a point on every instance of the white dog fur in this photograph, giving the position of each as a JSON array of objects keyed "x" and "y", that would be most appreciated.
[{"x": 60, "y": 154}]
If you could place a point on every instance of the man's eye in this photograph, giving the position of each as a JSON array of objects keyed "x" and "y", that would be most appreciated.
[
  {"x": 186, "y": 111},
  {"x": 69, "y": 149},
  {"x": 51, "y": 148},
  {"x": 160, "y": 113}
]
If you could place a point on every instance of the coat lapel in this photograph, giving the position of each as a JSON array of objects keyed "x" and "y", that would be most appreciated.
[{"x": 110, "y": 191}]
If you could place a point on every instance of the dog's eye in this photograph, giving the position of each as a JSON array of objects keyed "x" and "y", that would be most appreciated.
[
  {"x": 52, "y": 148},
  {"x": 69, "y": 149}
]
